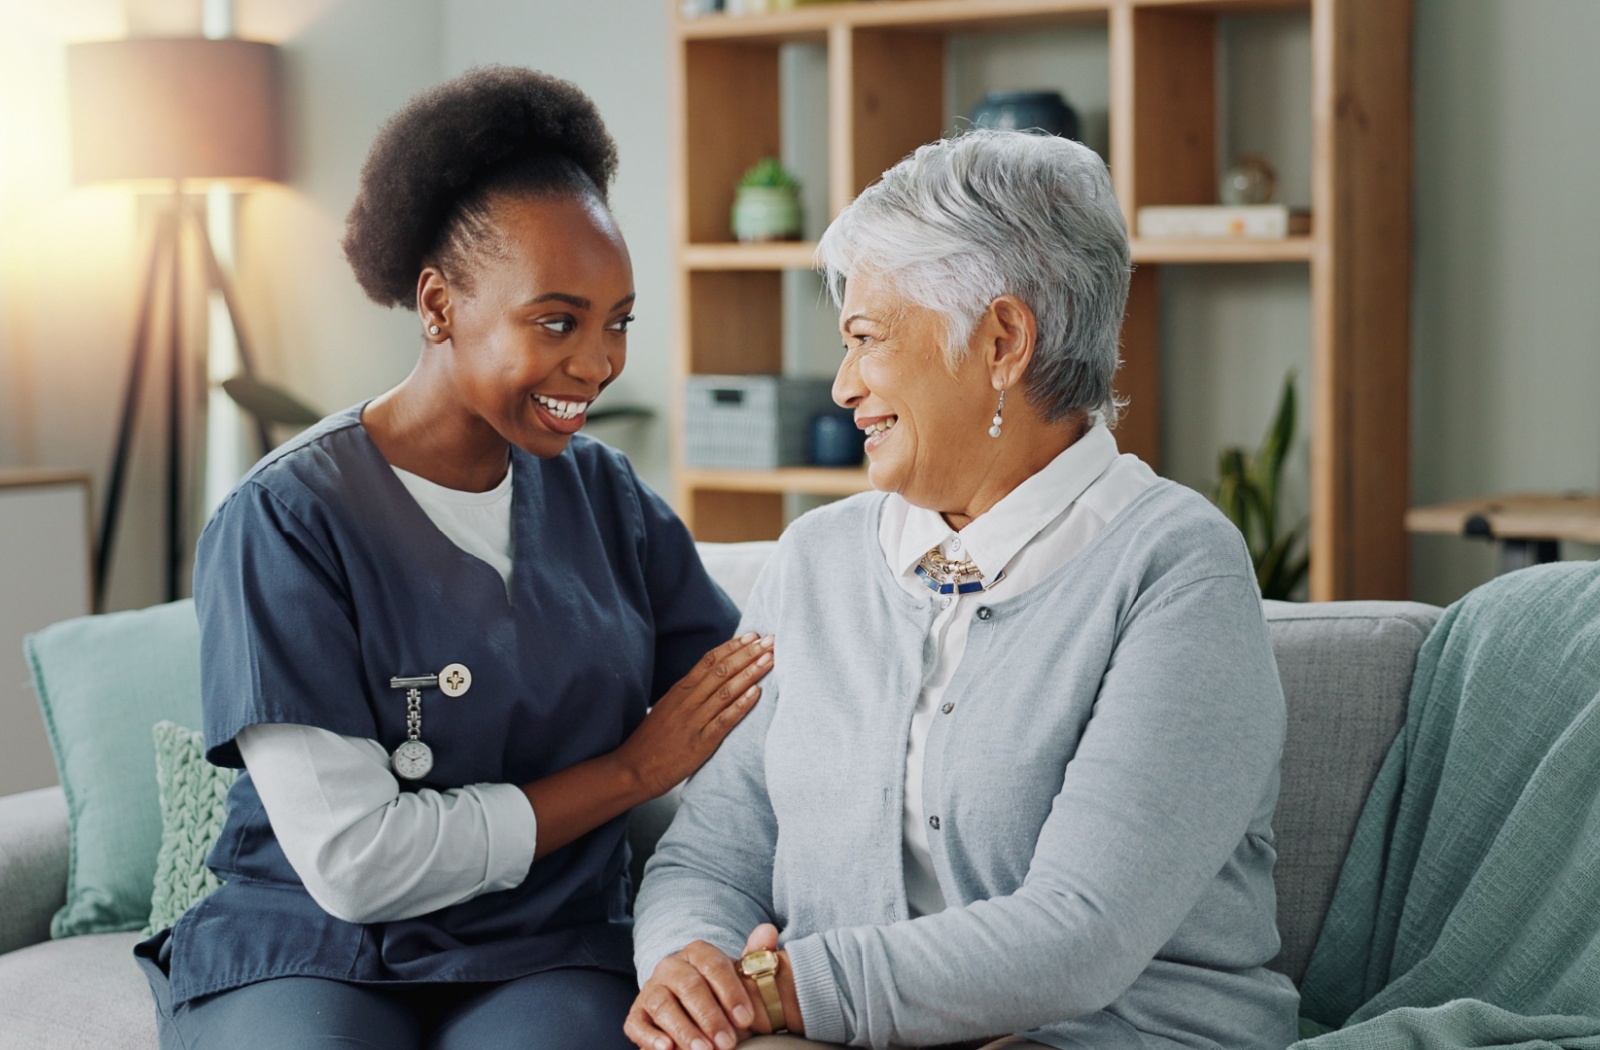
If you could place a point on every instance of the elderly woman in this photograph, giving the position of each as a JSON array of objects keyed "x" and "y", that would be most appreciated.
[{"x": 1017, "y": 764}]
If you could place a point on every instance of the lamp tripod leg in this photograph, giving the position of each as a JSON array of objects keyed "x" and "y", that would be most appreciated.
[
  {"x": 175, "y": 450},
  {"x": 160, "y": 242},
  {"x": 219, "y": 280}
]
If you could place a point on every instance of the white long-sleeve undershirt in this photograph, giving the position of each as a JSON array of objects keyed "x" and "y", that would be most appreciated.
[{"x": 367, "y": 851}]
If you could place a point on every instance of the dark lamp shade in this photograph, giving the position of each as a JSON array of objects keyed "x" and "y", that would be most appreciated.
[{"x": 174, "y": 108}]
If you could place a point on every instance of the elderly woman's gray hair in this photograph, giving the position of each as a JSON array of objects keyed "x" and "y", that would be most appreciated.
[{"x": 968, "y": 219}]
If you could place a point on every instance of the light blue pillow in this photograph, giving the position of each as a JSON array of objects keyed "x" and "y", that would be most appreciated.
[{"x": 103, "y": 682}]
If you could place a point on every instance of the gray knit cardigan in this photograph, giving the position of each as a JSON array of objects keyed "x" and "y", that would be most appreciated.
[{"x": 1099, "y": 788}]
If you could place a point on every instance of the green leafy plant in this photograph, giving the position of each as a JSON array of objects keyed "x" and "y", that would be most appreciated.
[
  {"x": 770, "y": 173},
  {"x": 1248, "y": 490}
]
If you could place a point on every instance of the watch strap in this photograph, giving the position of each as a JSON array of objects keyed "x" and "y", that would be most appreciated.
[{"x": 767, "y": 985}]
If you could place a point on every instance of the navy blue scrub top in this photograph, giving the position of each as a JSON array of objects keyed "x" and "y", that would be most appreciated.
[{"x": 320, "y": 578}]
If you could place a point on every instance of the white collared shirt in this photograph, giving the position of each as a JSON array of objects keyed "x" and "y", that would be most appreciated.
[{"x": 1034, "y": 530}]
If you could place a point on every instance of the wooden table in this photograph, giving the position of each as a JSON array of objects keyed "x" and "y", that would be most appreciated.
[{"x": 1529, "y": 526}]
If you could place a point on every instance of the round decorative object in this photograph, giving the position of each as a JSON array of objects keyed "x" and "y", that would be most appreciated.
[
  {"x": 1043, "y": 111},
  {"x": 1251, "y": 180},
  {"x": 836, "y": 441},
  {"x": 766, "y": 213},
  {"x": 455, "y": 680},
  {"x": 412, "y": 760}
]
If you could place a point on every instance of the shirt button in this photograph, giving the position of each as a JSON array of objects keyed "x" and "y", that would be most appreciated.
[
  {"x": 947, "y": 708},
  {"x": 984, "y": 612},
  {"x": 944, "y": 603},
  {"x": 933, "y": 822},
  {"x": 955, "y": 543}
]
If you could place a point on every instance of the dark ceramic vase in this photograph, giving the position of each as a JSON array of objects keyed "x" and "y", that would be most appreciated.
[
  {"x": 1045, "y": 111},
  {"x": 835, "y": 440}
]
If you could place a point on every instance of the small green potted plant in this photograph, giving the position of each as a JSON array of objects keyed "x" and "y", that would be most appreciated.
[
  {"x": 766, "y": 204},
  {"x": 1248, "y": 491}
]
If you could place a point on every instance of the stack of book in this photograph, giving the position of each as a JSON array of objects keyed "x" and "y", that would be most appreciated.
[{"x": 1223, "y": 221}]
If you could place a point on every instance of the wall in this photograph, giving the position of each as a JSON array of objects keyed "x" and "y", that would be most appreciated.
[
  {"x": 1506, "y": 360},
  {"x": 66, "y": 286},
  {"x": 72, "y": 259},
  {"x": 616, "y": 50},
  {"x": 1507, "y": 352},
  {"x": 349, "y": 65}
]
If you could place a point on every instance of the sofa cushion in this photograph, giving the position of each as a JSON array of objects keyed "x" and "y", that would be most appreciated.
[
  {"x": 77, "y": 993},
  {"x": 1346, "y": 671},
  {"x": 104, "y": 682},
  {"x": 33, "y": 865},
  {"x": 735, "y": 566}
]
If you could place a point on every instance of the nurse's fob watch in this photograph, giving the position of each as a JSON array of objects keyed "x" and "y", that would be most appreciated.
[{"x": 413, "y": 759}]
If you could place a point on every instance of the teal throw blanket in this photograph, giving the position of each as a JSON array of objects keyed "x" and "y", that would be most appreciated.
[{"x": 1468, "y": 910}]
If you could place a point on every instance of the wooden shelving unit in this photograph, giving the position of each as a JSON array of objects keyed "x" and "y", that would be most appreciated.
[
  {"x": 814, "y": 481},
  {"x": 886, "y": 97}
]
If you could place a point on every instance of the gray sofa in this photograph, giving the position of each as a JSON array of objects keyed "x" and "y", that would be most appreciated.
[{"x": 1346, "y": 670}]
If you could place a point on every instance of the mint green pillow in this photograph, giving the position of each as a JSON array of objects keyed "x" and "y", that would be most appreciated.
[
  {"x": 103, "y": 681},
  {"x": 194, "y": 798}
]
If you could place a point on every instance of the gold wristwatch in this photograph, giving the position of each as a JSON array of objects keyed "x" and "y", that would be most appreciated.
[{"x": 762, "y": 967}]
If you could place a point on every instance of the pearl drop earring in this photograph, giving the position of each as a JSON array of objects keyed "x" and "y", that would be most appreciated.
[{"x": 994, "y": 424}]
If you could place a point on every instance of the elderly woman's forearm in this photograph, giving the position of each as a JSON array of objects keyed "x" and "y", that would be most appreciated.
[{"x": 683, "y": 907}]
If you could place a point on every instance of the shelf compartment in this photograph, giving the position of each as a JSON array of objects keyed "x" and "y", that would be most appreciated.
[
  {"x": 774, "y": 255},
  {"x": 1228, "y": 7},
  {"x": 811, "y": 481},
  {"x": 723, "y": 516},
  {"x": 1163, "y": 64},
  {"x": 735, "y": 322},
  {"x": 730, "y": 120},
  {"x": 889, "y": 87},
  {"x": 809, "y": 23},
  {"x": 1187, "y": 250}
]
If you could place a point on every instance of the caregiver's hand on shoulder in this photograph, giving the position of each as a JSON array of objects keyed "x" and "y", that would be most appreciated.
[
  {"x": 674, "y": 740},
  {"x": 687, "y": 724}
]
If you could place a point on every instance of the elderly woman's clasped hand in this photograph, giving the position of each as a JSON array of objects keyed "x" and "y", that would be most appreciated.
[{"x": 697, "y": 999}]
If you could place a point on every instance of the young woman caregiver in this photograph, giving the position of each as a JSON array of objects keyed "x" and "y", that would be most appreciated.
[{"x": 433, "y": 628}]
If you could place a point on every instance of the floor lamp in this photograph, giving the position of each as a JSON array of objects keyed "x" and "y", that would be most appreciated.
[{"x": 163, "y": 111}]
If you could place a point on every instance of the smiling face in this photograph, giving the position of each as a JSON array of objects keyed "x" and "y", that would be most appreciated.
[
  {"x": 540, "y": 328},
  {"x": 926, "y": 425}
]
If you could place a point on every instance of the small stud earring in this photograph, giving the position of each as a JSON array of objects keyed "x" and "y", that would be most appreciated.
[
  {"x": 433, "y": 329},
  {"x": 994, "y": 424}
]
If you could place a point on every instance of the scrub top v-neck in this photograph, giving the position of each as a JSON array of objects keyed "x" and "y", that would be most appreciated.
[{"x": 320, "y": 579}]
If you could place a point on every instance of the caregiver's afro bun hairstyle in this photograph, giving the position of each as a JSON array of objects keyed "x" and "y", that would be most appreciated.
[{"x": 429, "y": 181}]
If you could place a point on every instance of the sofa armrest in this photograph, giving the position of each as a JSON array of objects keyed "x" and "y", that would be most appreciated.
[{"x": 33, "y": 865}]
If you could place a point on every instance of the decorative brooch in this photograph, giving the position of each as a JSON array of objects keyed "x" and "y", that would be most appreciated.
[{"x": 944, "y": 576}]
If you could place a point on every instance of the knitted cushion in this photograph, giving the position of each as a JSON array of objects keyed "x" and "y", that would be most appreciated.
[{"x": 194, "y": 797}]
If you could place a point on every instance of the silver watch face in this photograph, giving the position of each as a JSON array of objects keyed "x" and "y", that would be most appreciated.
[{"x": 412, "y": 760}]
